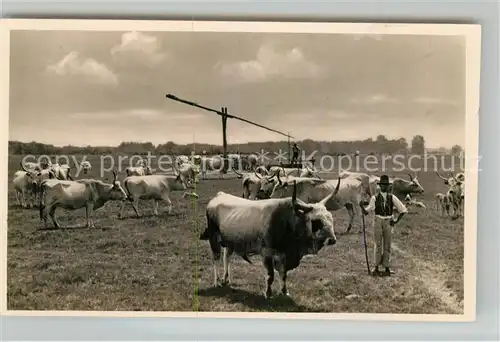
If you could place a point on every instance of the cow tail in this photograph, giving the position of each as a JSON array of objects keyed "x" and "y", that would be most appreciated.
[
  {"x": 125, "y": 184},
  {"x": 245, "y": 187},
  {"x": 245, "y": 257},
  {"x": 41, "y": 203}
]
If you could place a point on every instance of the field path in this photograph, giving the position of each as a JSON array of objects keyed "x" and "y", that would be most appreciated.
[{"x": 430, "y": 276}]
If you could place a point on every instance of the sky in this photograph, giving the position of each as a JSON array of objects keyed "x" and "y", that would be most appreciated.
[{"x": 102, "y": 88}]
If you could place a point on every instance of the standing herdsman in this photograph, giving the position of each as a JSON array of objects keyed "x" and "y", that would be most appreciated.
[{"x": 383, "y": 204}]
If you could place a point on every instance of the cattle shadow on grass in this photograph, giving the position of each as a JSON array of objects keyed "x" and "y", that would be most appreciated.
[{"x": 255, "y": 301}]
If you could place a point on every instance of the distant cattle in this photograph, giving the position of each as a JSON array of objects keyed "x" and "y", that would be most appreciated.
[
  {"x": 281, "y": 231},
  {"x": 71, "y": 195},
  {"x": 251, "y": 182},
  {"x": 306, "y": 171}
]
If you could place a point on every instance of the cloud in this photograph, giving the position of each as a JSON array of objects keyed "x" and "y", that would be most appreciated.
[
  {"x": 374, "y": 99},
  {"x": 75, "y": 65},
  {"x": 270, "y": 63},
  {"x": 136, "y": 47},
  {"x": 434, "y": 100},
  {"x": 143, "y": 114}
]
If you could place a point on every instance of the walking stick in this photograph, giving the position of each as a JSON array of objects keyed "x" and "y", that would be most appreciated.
[{"x": 364, "y": 243}]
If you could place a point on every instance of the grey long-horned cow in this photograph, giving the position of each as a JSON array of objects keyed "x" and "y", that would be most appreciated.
[
  {"x": 71, "y": 195},
  {"x": 154, "y": 187},
  {"x": 282, "y": 231},
  {"x": 312, "y": 190}
]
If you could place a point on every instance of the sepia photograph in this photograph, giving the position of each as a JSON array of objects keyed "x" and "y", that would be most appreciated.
[{"x": 239, "y": 169}]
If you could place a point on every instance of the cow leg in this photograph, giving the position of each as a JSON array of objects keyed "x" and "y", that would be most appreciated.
[
  {"x": 155, "y": 207},
  {"x": 52, "y": 211},
  {"x": 120, "y": 213},
  {"x": 350, "y": 211},
  {"x": 269, "y": 265},
  {"x": 166, "y": 198},
  {"x": 90, "y": 223},
  {"x": 16, "y": 193},
  {"x": 23, "y": 198},
  {"x": 216, "y": 249},
  {"x": 135, "y": 205},
  {"x": 227, "y": 255},
  {"x": 283, "y": 275}
]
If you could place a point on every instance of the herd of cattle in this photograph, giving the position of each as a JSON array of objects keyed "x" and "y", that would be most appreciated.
[{"x": 282, "y": 213}]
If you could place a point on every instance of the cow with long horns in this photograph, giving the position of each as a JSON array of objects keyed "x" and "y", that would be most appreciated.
[
  {"x": 154, "y": 187},
  {"x": 90, "y": 194},
  {"x": 281, "y": 231}
]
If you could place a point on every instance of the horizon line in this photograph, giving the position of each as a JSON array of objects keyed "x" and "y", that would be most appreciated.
[{"x": 229, "y": 144}]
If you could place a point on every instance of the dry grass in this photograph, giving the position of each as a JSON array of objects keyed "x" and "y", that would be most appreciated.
[{"x": 158, "y": 263}]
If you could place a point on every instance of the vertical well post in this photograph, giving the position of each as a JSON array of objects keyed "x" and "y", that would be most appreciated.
[{"x": 224, "y": 138}]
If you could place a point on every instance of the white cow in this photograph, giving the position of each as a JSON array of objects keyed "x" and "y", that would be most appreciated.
[
  {"x": 369, "y": 182},
  {"x": 179, "y": 160},
  {"x": 25, "y": 185},
  {"x": 153, "y": 187},
  {"x": 214, "y": 163},
  {"x": 190, "y": 172},
  {"x": 61, "y": 172},
  {"x": 86, "y": 166},
  {"x": 90, "y": 194},
  {"x": 443, "y": 203},
  {"x": 138, "y": 170}
]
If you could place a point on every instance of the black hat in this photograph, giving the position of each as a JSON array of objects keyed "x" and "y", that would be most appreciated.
[{"x": 384, "y": 179}]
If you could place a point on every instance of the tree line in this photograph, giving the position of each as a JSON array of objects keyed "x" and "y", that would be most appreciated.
[{"x": 368, "y": 146}]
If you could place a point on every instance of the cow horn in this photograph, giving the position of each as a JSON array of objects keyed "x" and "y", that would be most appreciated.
[
  {"x": 257, "y": 175},
  {"x": 451, "y": 174},
  {"x": 239, "y": 174},
  {"x": 334, "y": 193},
  {"x": 441, "y": 176},
  {"x": 23, "y": 167},
  {"x": 411, "y": 177},
  {"x": 114, "y": 176}
]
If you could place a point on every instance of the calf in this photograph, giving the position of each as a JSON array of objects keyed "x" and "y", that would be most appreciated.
[
  {"x": 90, "y": 194},
  {"x": 281, "y": 231},
  {"x": 442, "y": 203},
  {"x": 25, "y": 185},
  {"x": 153, "y": 187}
]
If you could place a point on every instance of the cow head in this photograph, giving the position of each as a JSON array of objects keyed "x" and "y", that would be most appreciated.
[
  {"x": 31, "y": 176},
  {"x": 413, "y": 185},
  {"x": 317, "y": 221},
  {"x": 268, "y": 183},
  {"x": 451, "y": 181},
  {"x": 86, "y": 167},
  {"x": 117, "y": 192},
  {"x": 179, "y": 181}
]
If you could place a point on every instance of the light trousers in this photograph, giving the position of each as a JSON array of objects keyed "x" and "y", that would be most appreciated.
[{"x": 382, "y": 235}]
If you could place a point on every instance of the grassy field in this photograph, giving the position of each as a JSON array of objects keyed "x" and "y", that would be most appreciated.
[{"x": 158, "y": 263}]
